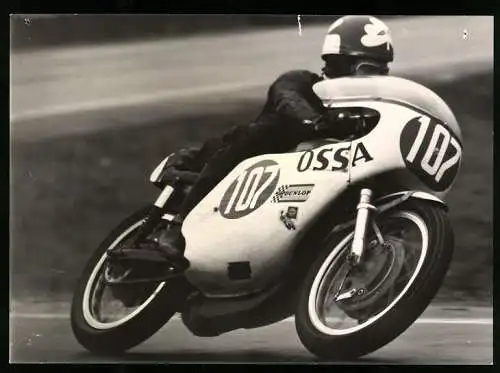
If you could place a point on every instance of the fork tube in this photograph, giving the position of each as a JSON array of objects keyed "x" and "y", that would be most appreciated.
[
  {"x": 155, "y": 214},
  {"x": 164, "y": 196},
  {"x": 362, "y": 217}
]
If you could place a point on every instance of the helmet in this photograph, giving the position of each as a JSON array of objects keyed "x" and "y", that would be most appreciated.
[{"x": 364, "y": 37}]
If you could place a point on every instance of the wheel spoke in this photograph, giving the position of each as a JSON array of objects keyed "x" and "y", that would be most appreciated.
[
  {"x": 330, "y": 295},
  {"x": 378, "y": 233},
  {"x": 391, "y": 295}
]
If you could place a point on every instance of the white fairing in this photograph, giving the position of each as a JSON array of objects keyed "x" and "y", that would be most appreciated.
[
  {"x": 394, "y": 88},
  {"x": 227, "y": 227}
]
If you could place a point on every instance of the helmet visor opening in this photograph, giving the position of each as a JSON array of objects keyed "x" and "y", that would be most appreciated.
[
  {"x": 337, "y": 65},
  {"x": 370, "y": 68},
  {"x": 344, "y": 65}
]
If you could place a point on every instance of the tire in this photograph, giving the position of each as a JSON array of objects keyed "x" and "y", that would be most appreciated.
[
  {"x": 403, "y": 314},
  {"x": 144, "y": 324}
]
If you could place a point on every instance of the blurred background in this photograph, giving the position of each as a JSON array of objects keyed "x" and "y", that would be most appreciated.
[{"x": 97, "y": 101}]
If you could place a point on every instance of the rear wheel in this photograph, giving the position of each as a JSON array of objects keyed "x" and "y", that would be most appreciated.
[
  {"x": 344, "y": 314},
  {"x": 106, "y": 325}
]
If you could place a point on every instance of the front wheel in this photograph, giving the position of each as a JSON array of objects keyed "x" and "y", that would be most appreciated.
[
  {"x": 104, "y": 324},
  {"x": 378, "y": 301}
]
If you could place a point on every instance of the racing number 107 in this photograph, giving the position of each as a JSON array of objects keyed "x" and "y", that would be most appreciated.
[
  {"x": 437, "y": 168},
  {"x": 253, "y": 187}
]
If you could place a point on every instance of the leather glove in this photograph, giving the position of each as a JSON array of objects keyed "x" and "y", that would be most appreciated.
[
  {"x": 337, "y": 122},
  {"x": 317, "y": 124},
  {"x": 184, "y": 159},
  {"x": 327, "y": 122}
]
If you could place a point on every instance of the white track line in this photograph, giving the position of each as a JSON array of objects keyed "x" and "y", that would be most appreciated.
[
  {"x": 457, "y": 321},
  {"x": 430, "y": 67},
  {"x": 136, "y": 100},
  {"x": 449, "y": 51},
  {"x": 36, "y": 316}
]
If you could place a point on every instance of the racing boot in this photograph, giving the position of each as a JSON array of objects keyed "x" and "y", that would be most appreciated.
[
  {"x": 171, "y": 243},
  {"x": 168, "y": 247},
  {"x": 164, "y": 252},
  {"x": 137, "y": 270}
]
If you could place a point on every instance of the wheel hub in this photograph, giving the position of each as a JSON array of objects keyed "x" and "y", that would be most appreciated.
[{"x": 372, "y": 280}]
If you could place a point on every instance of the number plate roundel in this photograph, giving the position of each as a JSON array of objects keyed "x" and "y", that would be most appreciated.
[
  {"x": 250, "y": 190},
  {"x": 431, "y": 151}
]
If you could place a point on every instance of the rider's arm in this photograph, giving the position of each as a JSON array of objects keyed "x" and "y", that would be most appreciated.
[{"x": 292, "y": 96}]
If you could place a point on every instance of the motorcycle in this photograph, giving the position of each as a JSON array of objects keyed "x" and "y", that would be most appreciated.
[{"x": 350, "y": 237}]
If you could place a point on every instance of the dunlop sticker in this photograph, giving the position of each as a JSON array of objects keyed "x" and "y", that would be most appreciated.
[{"x": 292, "y": 193}]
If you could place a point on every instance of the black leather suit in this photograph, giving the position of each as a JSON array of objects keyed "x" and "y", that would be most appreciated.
[{"x": 278, "y": 128}]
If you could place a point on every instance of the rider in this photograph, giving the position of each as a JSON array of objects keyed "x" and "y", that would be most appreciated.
[{"x": 354, "y": 45}]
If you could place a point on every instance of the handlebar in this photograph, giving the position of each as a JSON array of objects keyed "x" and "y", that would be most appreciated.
[{"x": 186, "y": 176}]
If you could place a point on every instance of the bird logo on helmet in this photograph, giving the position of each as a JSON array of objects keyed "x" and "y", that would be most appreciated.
[{"x": 362, "y": 36}]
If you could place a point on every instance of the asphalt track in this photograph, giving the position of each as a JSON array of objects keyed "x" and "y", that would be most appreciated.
[
  {"x": 75, "y": 90},
  {"x": 81, "y": 89},
  {"x": 443, "y": 335}
]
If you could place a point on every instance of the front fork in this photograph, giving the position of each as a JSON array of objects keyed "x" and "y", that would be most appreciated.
[
  {"x": 363, "y": 218},
  {"x": 365, "y": 208},
  {"x": 156, "y": 214}
]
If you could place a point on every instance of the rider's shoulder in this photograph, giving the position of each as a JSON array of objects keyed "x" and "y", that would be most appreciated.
[{"x": 298, "y": 75}]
